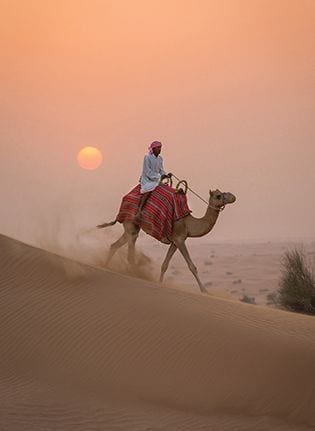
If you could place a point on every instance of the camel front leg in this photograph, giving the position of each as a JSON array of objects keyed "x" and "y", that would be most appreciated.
[
  {"x": 183, "y": 249},
  {"x": 168, "y": 257}
]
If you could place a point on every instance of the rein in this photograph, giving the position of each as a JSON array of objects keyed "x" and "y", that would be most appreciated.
[{"x": 202, "y": 199}]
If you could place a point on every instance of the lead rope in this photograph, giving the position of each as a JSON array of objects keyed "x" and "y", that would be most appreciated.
[{"x": 202, "y": 199}]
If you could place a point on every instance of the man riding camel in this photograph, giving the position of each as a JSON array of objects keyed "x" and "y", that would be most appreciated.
[{"x": 152, "y": 174}]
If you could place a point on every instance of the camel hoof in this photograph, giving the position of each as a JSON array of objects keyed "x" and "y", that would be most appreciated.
[{"x": 203, "y": 290}]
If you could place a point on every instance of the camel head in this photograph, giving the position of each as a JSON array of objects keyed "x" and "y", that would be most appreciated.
[{"x": 219, "y": 199}]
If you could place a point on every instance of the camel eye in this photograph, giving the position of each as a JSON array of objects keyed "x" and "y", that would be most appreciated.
[{"x": 219, "y": 196}]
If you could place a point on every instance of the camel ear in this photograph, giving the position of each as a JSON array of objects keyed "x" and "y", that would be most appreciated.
[{"x": 211, "y": 192}]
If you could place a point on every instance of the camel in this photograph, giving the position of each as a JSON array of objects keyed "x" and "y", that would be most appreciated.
[{"x": 187, "y": 227}]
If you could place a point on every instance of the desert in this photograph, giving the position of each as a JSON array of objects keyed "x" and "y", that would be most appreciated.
[{"x": 84, "y": 347}]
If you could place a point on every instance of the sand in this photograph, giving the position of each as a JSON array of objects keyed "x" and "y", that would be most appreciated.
[{"x": 85, "y": 348}]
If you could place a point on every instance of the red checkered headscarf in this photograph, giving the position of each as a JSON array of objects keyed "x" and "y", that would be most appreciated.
[{"x": 155, "y": 144}]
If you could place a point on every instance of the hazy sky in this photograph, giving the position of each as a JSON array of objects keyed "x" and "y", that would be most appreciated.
[{"x": 228, "y": 86}]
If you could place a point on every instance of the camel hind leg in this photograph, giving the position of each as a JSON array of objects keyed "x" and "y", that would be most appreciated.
[
  {"x": 129, "y": 236},
  {"x": 116, "y": 245},
  {"x": 132, "y": 238}
]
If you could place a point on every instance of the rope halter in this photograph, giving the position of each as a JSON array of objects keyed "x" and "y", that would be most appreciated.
[{"x": 221, "y": 208}]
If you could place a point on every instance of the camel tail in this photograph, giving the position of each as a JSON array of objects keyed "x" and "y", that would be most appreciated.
[{"x": 100, "y": 226}]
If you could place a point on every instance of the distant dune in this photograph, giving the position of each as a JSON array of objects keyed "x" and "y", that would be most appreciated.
[{"x": 83, "y": 348}]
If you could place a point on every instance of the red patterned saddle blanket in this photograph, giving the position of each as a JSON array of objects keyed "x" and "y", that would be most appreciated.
[{"x": 163, "y": 207}]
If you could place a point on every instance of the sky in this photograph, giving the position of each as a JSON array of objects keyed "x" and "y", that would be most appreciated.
[{"x": 227, "y": 86}]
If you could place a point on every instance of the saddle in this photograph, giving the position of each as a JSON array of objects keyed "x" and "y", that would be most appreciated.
[{"x": 164, "y": 206}]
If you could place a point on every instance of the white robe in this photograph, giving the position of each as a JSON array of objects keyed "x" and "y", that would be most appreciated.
[{"x": 151, "y": 172}]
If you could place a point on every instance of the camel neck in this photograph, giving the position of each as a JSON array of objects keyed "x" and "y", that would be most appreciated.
[
  {"x": 198, "y": 227},
  {"x": 211, "y": 216}
]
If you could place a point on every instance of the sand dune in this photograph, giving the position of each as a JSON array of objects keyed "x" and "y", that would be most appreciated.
[{"x": 87, "y": 349}]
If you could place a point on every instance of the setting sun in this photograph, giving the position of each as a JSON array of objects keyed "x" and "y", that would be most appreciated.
[{"x": 89, "y": 158}]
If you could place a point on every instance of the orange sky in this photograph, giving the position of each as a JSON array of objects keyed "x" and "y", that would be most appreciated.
[{"x": 228, "y": 86}]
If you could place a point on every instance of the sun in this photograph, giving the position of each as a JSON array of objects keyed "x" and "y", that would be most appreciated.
[{"x": 89, "y": 158}]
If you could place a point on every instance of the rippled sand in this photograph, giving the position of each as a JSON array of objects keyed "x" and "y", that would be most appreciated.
[{"x": 83, "y": 348}]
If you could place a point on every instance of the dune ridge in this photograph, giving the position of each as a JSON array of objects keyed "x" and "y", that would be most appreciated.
[{"x": 84, "y": 348}]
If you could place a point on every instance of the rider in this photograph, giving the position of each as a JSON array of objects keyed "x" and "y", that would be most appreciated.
[{"x": 152, "y": 174}]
